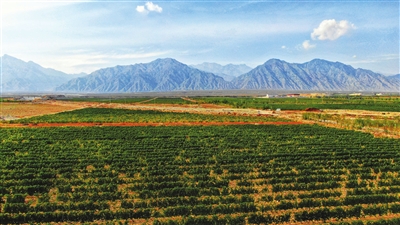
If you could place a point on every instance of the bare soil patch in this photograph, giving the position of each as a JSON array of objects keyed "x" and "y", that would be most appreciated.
[
  {"x": 18, "y": 110},
  {"x": 191, "y": 108}
]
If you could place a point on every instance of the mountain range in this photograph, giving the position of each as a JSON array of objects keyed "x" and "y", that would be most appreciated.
[
  {"x": 159, "y": 75},
  {"x": 395, "y": 79},
  {"x": 168, "y": 74},
  {"x": 20, "y": 76},
  {"x": 228, "y": 72},
  {"x": 318, "y": 74}
]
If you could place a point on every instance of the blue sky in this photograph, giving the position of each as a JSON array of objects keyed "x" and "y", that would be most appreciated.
[{"x": 83, "y": 36}]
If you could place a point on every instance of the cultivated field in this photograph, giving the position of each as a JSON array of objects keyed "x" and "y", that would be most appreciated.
[
  {"x": 185, "y": 161},
  {"x": 352, "y": 113}
]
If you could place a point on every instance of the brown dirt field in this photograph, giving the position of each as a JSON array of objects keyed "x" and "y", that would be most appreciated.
[
  {"x": 191, "y": 108},
  {"x": 18, "y": 110}
]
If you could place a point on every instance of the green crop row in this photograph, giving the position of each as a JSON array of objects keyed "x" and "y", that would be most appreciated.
[
  {"x": 375, "y": 103},
  {"x": 100, "y": 115},
  {"x": 107, "y": 100},
  {"x": 247, "y": 174}
]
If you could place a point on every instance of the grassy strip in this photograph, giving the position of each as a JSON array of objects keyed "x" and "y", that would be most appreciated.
[
  {"x": 357, "y": 123},
  {"x": 168, "y": 101}
]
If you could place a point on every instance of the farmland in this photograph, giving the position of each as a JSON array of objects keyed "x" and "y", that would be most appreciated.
[
  {"x": 138, "y": 100},
  {"x": 188, "y": 175},
  {"x": 100, "y": 115},
  {"x": 172, "y": 162},
  {"x": 374, "y": 103}
]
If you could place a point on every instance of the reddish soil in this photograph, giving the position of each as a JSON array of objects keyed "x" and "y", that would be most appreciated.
[{"x": 128, "y": 124}]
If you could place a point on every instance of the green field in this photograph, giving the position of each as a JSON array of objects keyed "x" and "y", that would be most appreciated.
[
  {"x": 374, "y": 103},
  {"x": 147, "y": 100},
  {"x": 168, "y": 101},
  {"x": 107, "y": 100},
  {"x": 100, "y": 115},
  {"x": 6, "y": 100},
  {"x": 198, "y": 175}
]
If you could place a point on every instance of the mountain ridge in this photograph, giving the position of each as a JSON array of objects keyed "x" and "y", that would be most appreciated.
[
  {"x": 228, "y": 72},
  {"x": 169, "y": 74},
  {"x": 159, "y": 75},
  {"x": 317, "y": 74},
  {"x": 21, "y": 76}
]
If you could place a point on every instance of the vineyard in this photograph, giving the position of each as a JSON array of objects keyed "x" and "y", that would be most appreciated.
[
  {"x": 374, "y": 103},
  {"x": 103, "y": 115},
  {"x": 248, "y": 174}
]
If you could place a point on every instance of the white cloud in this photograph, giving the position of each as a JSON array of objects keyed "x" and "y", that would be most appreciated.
[
  {"x": 141, "y": 9},
  {"x": 354, "y": 56},
  {"x": 148, "y": 7},
  {"x": 283, "y": 47},
  {"x": 153, "y": 7},
  {"x": 306, "y": 45},
  {"x": 332, "y": 30}
]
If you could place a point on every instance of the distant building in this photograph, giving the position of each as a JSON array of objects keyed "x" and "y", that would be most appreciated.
[
  {"x": 313, "y": 95},
  {"x": 26, "y": 98},
  {"x": 53, "y": 97},
  {"x": 38, "y": 98},
  {"x": 270, "y": 96},
  {"x": 355, "y": 94},
  {"x": 293, "y": 95}
]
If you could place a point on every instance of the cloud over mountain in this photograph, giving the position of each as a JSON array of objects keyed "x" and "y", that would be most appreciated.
[{"x": 331, "y": 30}]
